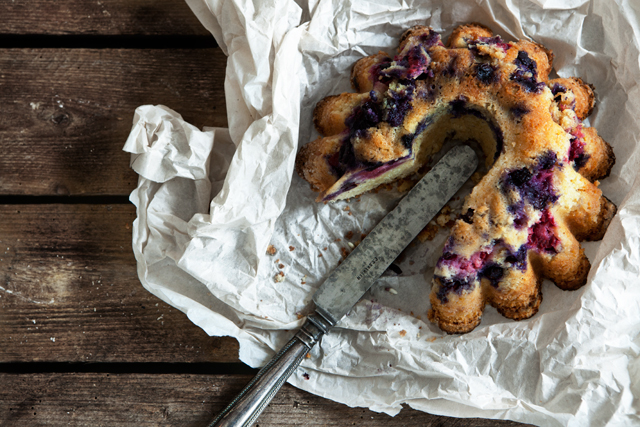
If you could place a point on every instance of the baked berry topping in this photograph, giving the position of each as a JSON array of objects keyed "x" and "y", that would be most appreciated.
[
  {"x": 527, "y": 73},
  {"x": 519, "y": 177},
  {"x": 581, "y": 160},
  {"x": 431, "y": 39},
  {"x": 558, "y": 88},
  {"x": 493, "y": 272},
  {"x": 478, "y": 46},
  {"x": 518, "y": 258},
  {"x": 495, "y": 41},
  {"x": 577, "y": 155},
  {"x": 542, "y": 236},
  {"x": 519, "y": 110},
  {"x": 455, "y": 285},
  {"x": 536, "y": 187},
  {"x": 364, "y": 116},
  {"x": 486, "y": 73},
  {"x": 468, "y": 216},
  {"x": 417, "y": 62},
  {"x": 547, "y": 160},
  {"x": 397, "y": 103},
  {"x": 520, "y": 217}
]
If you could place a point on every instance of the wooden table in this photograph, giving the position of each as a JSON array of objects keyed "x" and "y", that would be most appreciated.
[{"x": 81, "y": 342}]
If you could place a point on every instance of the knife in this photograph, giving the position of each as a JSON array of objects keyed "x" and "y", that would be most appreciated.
[{"x": 352, "y": 278}]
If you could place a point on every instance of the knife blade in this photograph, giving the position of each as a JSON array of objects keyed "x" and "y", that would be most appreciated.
[{"x": 344, "y": 287}]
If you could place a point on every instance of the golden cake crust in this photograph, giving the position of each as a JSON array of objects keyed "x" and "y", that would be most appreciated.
[{"x": 523, "y": 221}]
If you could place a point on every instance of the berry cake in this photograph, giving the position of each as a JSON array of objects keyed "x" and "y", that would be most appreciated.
[{"x": 523, "y": 221}]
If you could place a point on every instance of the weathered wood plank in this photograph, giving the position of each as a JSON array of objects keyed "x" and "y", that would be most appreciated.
[
  {"x": 104, "y": 17},
  {"x": 69, "y": 292},
  {"x": 66, "y": 113},
  {"x": 91, "y": 399}
]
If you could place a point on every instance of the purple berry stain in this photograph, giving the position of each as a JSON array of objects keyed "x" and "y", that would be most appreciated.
[
  {"x": 468, "y": 216},
  {"x": 495, "y": 41},
  {"x": 467, "y": 273},
  {"x": 398, "y": 103},
  {"x": 577, "y": 155},
  {"x": 519, "y": 111},
  {"x": 542, "y": 235},
  {"x": 486, "y": 73},
  {"x": 409, "y": 67},
  {"x": 456, "y": 285},
  {"x": 364, "y": 116},
  {"x": 558, "y": 89},
  {"x": 536, "y": 187},
  {"x": 493, "y": 272},
  {"x": 430, "y": 39},
  {"x": 527, "y": 73},
  {"x": 520, "y": 218},
  {"x": 518, "y": 259}
]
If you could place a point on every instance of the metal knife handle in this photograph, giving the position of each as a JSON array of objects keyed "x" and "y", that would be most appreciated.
[{"x": 254, "y": 398}]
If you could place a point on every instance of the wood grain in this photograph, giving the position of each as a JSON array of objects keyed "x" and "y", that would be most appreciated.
[
  {"x": 69, "y": 292},
  {"x": 66, "y": 113},
  {"x": 104, "y": 17},
  {"x": 91, "y": 399}
]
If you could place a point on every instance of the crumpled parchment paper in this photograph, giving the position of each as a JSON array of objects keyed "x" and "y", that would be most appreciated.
[{"x": 210, "y": 202}]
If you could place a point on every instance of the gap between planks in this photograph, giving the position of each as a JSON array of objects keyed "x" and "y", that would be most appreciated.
[
  {"x": 44, "y": 41},
  {"x": 66, "y": 200},
  {"x": 194, "y": 368}
]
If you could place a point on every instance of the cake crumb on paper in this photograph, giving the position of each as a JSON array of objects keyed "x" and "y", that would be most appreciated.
[
  {"x": 345, "y": 252},
  {"x": 444, "y": 216},
  {"x": 428, "y": 232},
  {"x": 271, "y": 250},
  {"x": 405, "y": 184}
]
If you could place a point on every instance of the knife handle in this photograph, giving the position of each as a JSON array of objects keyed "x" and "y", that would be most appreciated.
[{"x": 254, "y": 398}]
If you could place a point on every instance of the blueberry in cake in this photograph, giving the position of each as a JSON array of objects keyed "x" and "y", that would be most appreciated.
[{"x": 524, "y": 220}]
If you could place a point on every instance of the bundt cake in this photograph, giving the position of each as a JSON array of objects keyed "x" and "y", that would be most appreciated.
[{"x": 523, "y": 221}]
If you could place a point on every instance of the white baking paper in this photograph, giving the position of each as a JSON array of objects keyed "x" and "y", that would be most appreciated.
[{"x": 210, "y": 202}]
